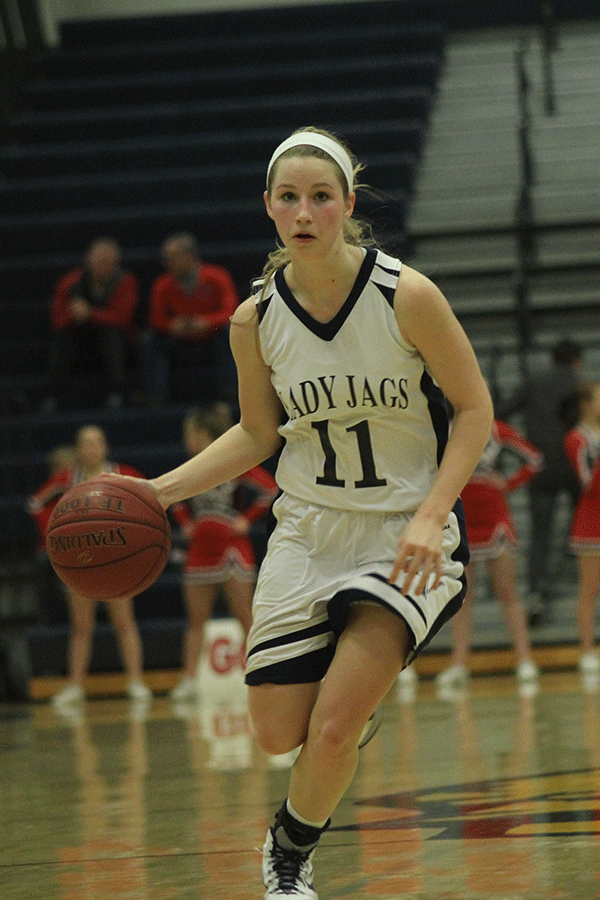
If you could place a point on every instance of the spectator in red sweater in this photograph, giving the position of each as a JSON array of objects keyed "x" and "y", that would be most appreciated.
[
  {"x": 92, "y": 314},
  {"x": 188, "y": 319}
]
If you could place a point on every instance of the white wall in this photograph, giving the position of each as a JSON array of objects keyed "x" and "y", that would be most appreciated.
[{"x": 53, "y": 12}]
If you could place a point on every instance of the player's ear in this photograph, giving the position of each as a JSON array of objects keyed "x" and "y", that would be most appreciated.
[
  {"x": 268, "y": 204},
  {"x": 350, "y": 205}
]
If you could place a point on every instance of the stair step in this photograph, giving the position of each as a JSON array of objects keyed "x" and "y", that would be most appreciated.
[
  {"x": 297, "y": 45},
  {"x": 241, "y": 22},
  {"x": 203, "y": 117},
  {"x": 275, "y": 78},
  {"x": 79, "y": 156},
  {"x": 561, "y": 246},
  {"x": 498, "y": 209}
]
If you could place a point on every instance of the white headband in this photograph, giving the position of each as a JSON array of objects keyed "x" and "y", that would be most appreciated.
[{"x": 322, "y": 142}]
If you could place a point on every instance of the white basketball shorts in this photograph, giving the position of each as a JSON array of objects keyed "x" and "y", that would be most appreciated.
[{"x": 319, "y": 560}]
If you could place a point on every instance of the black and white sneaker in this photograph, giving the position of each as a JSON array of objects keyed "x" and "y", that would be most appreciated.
[
  {"x": 370, "y": 728},
  {"x": 286, "y": 873}
]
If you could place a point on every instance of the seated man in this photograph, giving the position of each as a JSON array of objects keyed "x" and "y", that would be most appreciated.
[
  {"x": 188, "y": 319},
  {"x": 92, "y": 316}
]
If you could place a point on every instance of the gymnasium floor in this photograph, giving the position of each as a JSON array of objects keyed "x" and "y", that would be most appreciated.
[{"x": 488, "y": 795}]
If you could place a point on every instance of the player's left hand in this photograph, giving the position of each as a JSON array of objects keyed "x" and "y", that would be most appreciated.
[{"x": 419, "y": 555}]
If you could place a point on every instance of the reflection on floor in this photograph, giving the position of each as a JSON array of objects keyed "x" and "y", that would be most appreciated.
[{"x": 484, "y": 793}]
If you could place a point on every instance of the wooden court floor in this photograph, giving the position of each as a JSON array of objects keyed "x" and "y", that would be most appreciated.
[{"x": 488, "y": 794}]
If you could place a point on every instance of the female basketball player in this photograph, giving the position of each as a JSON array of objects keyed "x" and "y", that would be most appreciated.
[
  {"x": 343, "y": 358},
  {"x": 91, "y": 460},
  {"x": 219, "y": 552},
  {"x": 582, "y": 446}
]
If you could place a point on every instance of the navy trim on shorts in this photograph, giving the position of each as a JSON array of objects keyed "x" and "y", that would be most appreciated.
[
  {"x": 446, "y": 614},
  {"x": 304, "y": 669},
  {"x": 461, "y": 553},
  {"x": 339, "y": 606},
  {"x": 406, "y": 596},
  {"x": 292, "y": 637}
]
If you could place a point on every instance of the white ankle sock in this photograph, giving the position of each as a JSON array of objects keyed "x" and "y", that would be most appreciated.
[{"x": 299, "y": 818}]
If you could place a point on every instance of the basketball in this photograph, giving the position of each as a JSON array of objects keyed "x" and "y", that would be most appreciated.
[{"x": 108, "y": 538}]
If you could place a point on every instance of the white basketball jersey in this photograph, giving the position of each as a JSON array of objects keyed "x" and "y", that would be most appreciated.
[{"x": 366, "y": 423}]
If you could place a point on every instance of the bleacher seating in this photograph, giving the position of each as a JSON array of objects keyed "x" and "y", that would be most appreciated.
[{"x": 138, "y": 128}]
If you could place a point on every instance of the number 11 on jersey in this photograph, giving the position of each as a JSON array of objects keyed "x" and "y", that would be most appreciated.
[{"x": 365, "y": 450}]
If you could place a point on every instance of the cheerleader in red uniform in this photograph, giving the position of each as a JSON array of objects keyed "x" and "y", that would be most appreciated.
[
  {"x": 90, "y": 460},
  {"x": 582, "y": 446},
  {"x": 492, "y": 538},
  {"x": 220, "y": 552}
]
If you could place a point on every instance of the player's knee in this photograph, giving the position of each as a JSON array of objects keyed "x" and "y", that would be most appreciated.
[{"x": 333, "y": 736}]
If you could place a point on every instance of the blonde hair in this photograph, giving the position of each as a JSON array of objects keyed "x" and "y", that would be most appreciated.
[
  {"x": 356, "y": 232},
  {"x": 89, "y": 427}
]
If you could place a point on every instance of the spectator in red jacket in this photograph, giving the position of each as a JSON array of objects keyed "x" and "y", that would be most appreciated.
[
  {"x": 92, "y": 313},
  {"x": 188, "y": 319}
]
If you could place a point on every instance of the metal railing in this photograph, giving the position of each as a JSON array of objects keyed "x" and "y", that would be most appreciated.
[{"x": 525, "y": 226}]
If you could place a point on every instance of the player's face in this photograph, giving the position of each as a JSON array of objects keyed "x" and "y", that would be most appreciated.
[
  {"x": 103, "y": 262},
  {"x": 178, "y": 261},
  {"x": 307, "y": 204}
]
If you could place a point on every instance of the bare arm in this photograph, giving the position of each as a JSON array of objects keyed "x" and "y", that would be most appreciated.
[
  {"x": 426, "y": 321},
  {"x": 248, "y": 443}
]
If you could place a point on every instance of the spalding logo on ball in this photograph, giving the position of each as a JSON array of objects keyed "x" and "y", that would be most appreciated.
[{"x": 108, "y": 538}]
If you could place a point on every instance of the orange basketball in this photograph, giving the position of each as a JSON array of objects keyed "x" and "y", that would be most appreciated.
[{"x": 108, "y": 538}]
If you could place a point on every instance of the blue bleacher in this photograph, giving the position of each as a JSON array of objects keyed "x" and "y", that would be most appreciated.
[
  {"x": 189, "y": 85},
  {"x": 243, "y": 24},
  {"x": 183, "y": 51}
]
